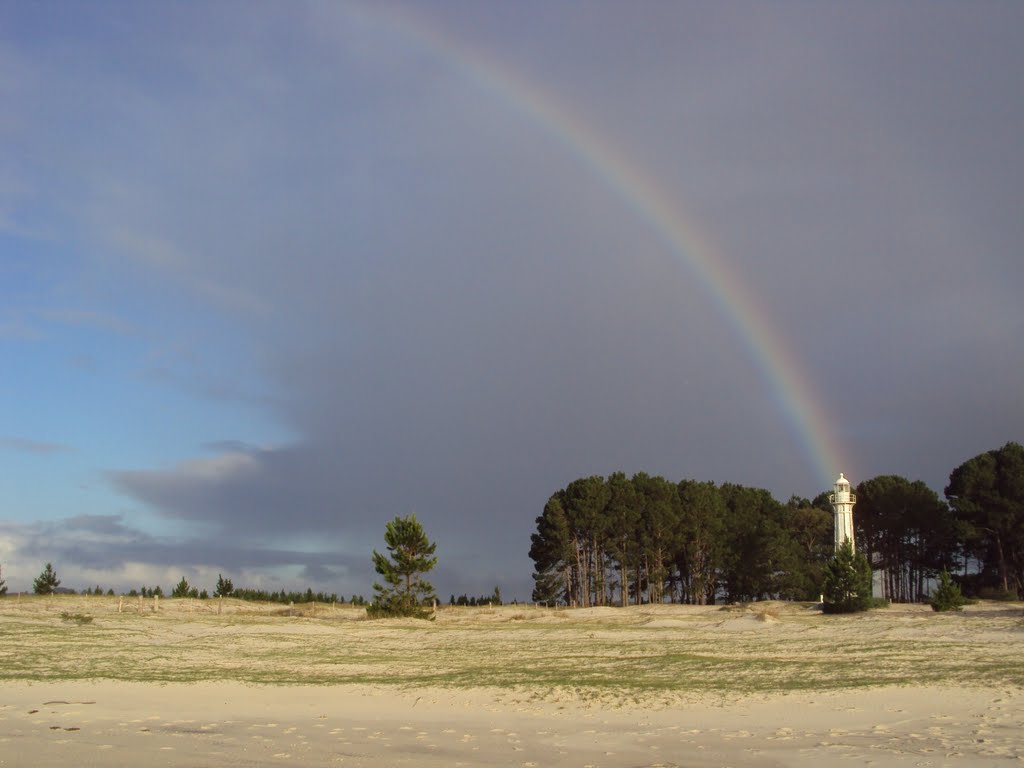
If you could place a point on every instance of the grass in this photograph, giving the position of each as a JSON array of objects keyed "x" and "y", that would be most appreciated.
[
  {"x": 603, "y": 655},
  {"x": 77, "y": 618}
]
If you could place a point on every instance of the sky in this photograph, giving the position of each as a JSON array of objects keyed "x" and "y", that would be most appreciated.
[{"x": 272, "y": 274}]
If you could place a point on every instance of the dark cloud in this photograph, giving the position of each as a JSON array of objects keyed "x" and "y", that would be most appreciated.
[
  {"x": 373, "y": 242},
  {"x": 313, "y": 573}
]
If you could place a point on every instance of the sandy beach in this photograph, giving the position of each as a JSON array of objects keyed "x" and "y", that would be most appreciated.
[
  {"x": 231, "y": 724},
  {"x": 97, "y": 705}
]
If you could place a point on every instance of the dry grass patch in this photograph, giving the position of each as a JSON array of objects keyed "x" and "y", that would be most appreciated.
[{"x": 660, "y": 653}]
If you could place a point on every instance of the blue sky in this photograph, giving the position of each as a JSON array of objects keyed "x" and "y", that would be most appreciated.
[{"x": 272, "y": 274}]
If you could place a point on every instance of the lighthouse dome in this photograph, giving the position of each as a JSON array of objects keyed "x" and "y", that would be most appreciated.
[{"x": 842, "y": 481}]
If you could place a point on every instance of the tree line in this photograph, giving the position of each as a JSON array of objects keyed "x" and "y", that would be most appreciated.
[
  {"x": 47, "y": 583},
  {"x": 644, "y": 539},
  {"x": 641, "y": 539},
  {"x": 977, "y": 533}
]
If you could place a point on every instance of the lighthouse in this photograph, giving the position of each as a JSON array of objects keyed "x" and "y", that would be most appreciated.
[{"x": 842, "y": 501}]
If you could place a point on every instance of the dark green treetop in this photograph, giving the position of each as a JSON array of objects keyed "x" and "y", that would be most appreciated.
[{"x": 987, "y": 494}]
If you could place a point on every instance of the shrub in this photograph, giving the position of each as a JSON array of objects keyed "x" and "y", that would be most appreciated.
[
  {"x": 947, "y": 595},
  {"x": 396, "y": 606},
  {"x": 77, "y": 618},
  {"x": 847, "y": 583},
  {"x": 997, "y": 593}
]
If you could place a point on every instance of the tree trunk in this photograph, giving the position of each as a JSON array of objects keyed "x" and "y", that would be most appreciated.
[{"x": 1003, "y": 573}]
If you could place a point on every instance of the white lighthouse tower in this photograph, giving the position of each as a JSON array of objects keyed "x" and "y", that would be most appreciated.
[{"x": 842, "y": 501}]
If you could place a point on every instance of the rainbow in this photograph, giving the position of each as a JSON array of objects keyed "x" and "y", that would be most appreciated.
[{"x": 801, "y": 404}]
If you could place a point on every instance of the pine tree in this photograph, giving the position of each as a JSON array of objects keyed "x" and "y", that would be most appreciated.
[
  {"x": 224, "y": 587},
  {"x": 3, "y": 584},
  {"x": 47, "y": 582},
  {"x": 847, "y": 583},
  {"x": 182, "y": 589},
  {"x": 947, "y": 595},
  {"x": 406, "y": 592}
]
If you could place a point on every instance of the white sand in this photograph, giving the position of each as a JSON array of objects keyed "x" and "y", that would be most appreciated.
[{"x": 231, "y": 724}]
